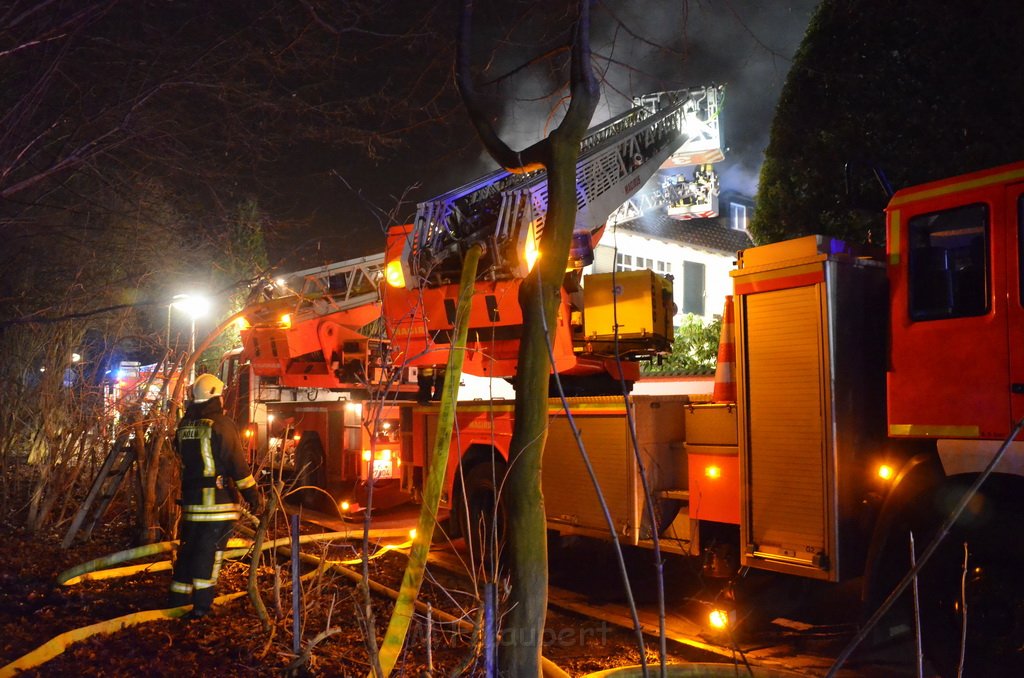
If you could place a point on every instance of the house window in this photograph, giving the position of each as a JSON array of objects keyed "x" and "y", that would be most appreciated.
[
  {"x": 738, "y": 216},
  {"x": 693, "y": 287},
  {"x": 627, "y": 262}
]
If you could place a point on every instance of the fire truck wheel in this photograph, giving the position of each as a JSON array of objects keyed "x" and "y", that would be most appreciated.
[
  {"x": 481, "y": 518},
  {"x": 990, "y": 585}
]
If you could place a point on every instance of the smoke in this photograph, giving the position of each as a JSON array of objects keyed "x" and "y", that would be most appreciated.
[{"x": 651, "y": 45}]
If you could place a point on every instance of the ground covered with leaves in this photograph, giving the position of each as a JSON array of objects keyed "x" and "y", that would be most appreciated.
[{"x": 232, "y": 641}]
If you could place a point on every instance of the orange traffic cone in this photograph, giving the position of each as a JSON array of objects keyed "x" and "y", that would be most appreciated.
[{"x": 725, "y": 376}]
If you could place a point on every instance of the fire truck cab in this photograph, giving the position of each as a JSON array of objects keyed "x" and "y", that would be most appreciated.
[
  {"x": 956, "y": 254},
  {"x": 955, "y": 399}
]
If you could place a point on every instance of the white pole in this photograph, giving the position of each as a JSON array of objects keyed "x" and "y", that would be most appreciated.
[
  {"x": 192, "y": 349},
  {"x": 917, "y": 612}
]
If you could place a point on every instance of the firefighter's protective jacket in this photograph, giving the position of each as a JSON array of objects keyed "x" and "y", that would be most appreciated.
[{"x": 212, "y": 460}]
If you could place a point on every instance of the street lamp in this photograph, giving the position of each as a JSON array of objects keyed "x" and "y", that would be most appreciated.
[{"x": 195, "y": 307}]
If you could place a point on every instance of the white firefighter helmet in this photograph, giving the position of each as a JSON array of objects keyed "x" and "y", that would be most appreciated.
[{"x": 206, "y": 387}]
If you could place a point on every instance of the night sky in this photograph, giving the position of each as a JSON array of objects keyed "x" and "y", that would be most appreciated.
[
  {"x": 337, "y": 118},
  {"x": 745, "y": 44}
]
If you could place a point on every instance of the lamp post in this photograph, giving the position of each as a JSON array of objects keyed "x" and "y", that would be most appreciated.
[
  {"x": 174, "y": 301},
  {"x": 195, "y": 307}
]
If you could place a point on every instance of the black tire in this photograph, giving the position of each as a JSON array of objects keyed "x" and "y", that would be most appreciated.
[
  {"x": 481, "y": 515},
  {"x": 993, "y": 590}
]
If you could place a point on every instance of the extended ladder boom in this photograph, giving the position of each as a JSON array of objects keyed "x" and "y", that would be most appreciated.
[
  {"x": 310, "y": 332},
  {"x": 336, "y": 287},
  {"x": 506, "y": 211}
]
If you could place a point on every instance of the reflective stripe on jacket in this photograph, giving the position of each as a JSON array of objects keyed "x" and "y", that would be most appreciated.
[{"x": 212, "y": 459}]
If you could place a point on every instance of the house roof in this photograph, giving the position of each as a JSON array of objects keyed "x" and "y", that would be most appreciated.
[{"x": 706, "y": 234}]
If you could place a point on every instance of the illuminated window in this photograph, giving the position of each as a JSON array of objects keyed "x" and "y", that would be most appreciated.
[
  {"x": 948, "y": 263},
  {"x": 626, "y": 262},
  {"x": 738, "y": 216}
]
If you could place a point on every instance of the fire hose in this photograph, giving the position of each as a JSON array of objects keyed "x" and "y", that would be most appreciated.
[{"x": 91, "y": 570}]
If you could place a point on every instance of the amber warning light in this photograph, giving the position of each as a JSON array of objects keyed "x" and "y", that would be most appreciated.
[
  {"x": 393, "y": 273},
  {"x": 531, "y": 251},
  {"x": 721, "y": 619}
]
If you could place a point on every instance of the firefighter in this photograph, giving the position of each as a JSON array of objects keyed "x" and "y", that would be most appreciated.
[{"x": 212, "y": 466}]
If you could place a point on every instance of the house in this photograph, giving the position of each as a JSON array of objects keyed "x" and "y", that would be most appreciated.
[{"x": 697, "y": 253}]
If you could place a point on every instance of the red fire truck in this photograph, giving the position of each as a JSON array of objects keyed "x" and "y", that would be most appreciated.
[
  {"x": 313, "y": 383},
  {"x": 325, "y": 393},
  {"x": 873, "y": 389}
]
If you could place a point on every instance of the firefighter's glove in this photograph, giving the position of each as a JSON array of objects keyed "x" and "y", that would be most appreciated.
[{"x": 254, "y": 498}]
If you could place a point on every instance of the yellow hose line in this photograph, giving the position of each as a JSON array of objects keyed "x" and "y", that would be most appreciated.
[
  {"x": 412, "y": 580},
  {"x": 58, "y": 644},
  {"x": 116, "y": 572},
  {"x": 121, "y": 556},
  {"x": 695, "y": 670},
  {"x": 84, "y": 571},
  {"x": 90, "y": 571}
]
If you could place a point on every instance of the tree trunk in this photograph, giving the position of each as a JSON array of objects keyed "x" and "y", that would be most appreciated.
[
  {"x": 539, "y": 297},
  {"x": 527, "y": 533},
  {"x": 149, "y": 471}
]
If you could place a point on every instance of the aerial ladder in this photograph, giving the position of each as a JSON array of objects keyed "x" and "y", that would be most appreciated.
[
  {"x": 505, "y": 212},
  {"x": 315, "y": 328},
  {"x": 312, "y": 354},
  {"x": 681, "y": 197}
]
